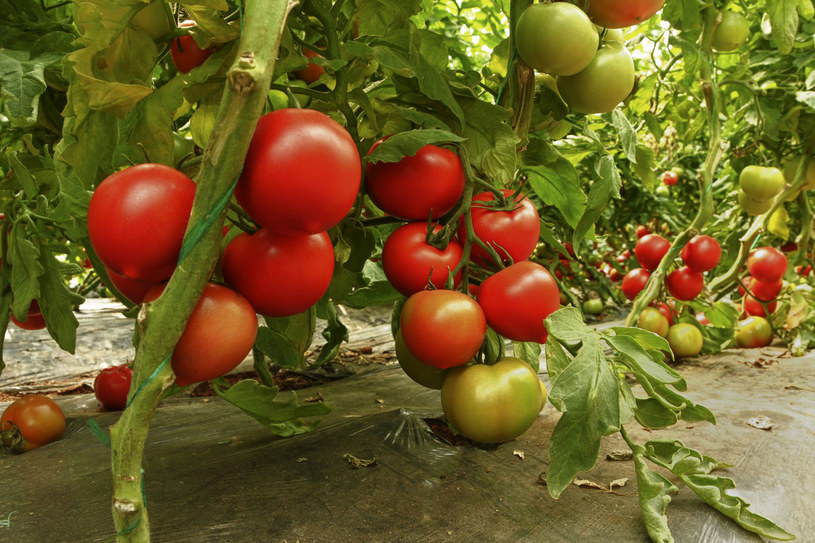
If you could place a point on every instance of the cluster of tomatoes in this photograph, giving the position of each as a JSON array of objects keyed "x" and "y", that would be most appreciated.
[
  {"x": 582, "y": 50},
  {"x": 758, "y": 187}
]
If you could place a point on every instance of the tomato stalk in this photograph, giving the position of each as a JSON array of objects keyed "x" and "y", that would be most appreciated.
[
  {"x": 162, "y": 322},
  {"x": 520, "y": 81}
]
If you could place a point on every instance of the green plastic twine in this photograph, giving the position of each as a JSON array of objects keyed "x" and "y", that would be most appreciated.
[
  {"x": 98, "y": 433},
  {"x": 150, "y": 378},
  {"x": 202, "y": 226}
]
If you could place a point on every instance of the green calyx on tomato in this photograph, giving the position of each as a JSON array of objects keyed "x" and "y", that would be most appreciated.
[
  {"x": 685, "y": 340},
  {"x": 492, "y": 404},
  {"x": 603, "y": 84},
  {"x": 31, "y": 422},
  {"x": 558, "y": 39}
]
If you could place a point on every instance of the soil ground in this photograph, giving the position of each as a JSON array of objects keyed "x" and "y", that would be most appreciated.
[{"x": 214, "y": 474}]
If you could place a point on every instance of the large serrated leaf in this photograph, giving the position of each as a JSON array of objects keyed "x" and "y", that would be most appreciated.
[
  {"x": 637, "y": 358},
  {"x": 408, "y": 143},
  {"x": 654, "y": 496},
  {"x": 566, "y": 324}
]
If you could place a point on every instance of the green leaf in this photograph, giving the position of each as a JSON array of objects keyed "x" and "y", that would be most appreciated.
[
  {"x": 528, "y": 351},
  {"x": 654, "y": 496},
  {"x": 21, "y": 84},
  {"x": 783, "y": 16},
  {"x": 646, "y": 339},
  {"x": 566, "y": 324},
  {"x": 587, "y": 393},
  {"x": 602, "y": 190},
  {"x": 638, "y": 360},
  {"x": 285, "y": 340},
  {"x": 628, "y": 136},
  {"x": 281, "y": 417},
  {"x": 57, "y": 303},
  {"x": 335, "y": 332},
  {"x": 652, "y": 414},
  {"x": 680, "y": 460},
  {"x": 493, "y": 349},
  {"x": 398, "y": 146},
  {"x": 379, "y": 17},
  {"x": 490, "y": 139},
  {"x": 556, "y": 358},
  {"x": 558, "y": 185},
  {"x": 26, "y": 269}
]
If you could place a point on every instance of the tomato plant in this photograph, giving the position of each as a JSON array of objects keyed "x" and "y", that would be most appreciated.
[
  {"x": 34, "y": 319},
  {"x": 31, "y": 422},
  {"x": 685, "y": 284},
  {"x": 754, "y": 332},
  {"x": 601, "y": 85},
  {"x": 702, "y": 253},
  {"x": 425, "y": 185},
  {"x": 301, "y": 174},
  {"x": 442, "y": 328},
  {"x": 517, "y": 299},
  {"x": 558, "y": 39},
  {"x": 492, "y": 404},
  {"x": 185, "y": 52},
  {"x": 137, "y": 218},
  {"x": 685, "y": 340},
  {"x": 410, "y": 262},
  {"x": 218, "y": 336},
  {"x": 280, "y": 274},
  {"x": 767, "y": 264},
  {"x": 111, "y": 386},
  {"x": 634, "y": 281},
  {"x": 622, "y": 13},
  {"x": 512, "y": 233},
  {"x": 650, "y": 249}
]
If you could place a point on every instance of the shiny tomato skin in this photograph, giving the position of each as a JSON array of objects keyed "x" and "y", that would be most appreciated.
[
  {"x": 132, "y": 289},
  {"x": 280, "y": 274},
  {"x": 754, "y": 308},
  {"x": 218, "y": 335},
  {"x": 653, "y": 320},
  {"x": 185, "y": 53},
  {"x": 312, "y": 72},
  {"x": 421, "y": 373},
  {"x": 761, "y": 183},
  {"x": 111, "y": 386},
  {"x": 408, "y": 260},
  {"x": 31, "y": 422},
  {"x": 685, "y": 340},
  {"x": 513, "y": 234},
  {"x": 442, "y": 328},
  {"x": 685, "y": 284},
  {"x": 517, "y": 299},
  {"x": 765, "y": 292},
  {"x": 634, "y": 281},
  {"x": 137, "y": 218},
  {"x": 650, "y": 249},
  {"x": 302, "y": 172},
  {"x": 767, "y": 264},
  {"x": 622, "y": 13},
  {"x": 669, "y": 177},
  {"x": 702, "y": 253},
  {"x": 601, "y": 85},
  {"x": 754, "y": 332},
  {"x": 642, "y": 231},
  {"x": 731, "y": 32},
  {"x": 666, "y": 311},
  {"x": 492, "y": 404},
  {"x": 427, "y": 184}
]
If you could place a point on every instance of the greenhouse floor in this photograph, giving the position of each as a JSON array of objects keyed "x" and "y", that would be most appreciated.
[{"x": 374, "y": 472}]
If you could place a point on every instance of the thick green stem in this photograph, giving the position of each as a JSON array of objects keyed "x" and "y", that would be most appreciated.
[{"x": 162, "y": 322}]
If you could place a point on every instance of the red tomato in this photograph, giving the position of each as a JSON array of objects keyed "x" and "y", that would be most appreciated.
[
  {"x": 761, "y": 290},
  {"x": 442, "y": 328},
  {"x": 280, "y": 274},
  {"x": 803, "y": 271},
  {"x": 754, "y": 332},
  {"x": 702, "y": 319},
  {"x": 685, "y": 284},
  {"x": 634, "y": 281},
  {"x": 31, "y": 422},
  {"x": 137, "y": 218},
  {"x": 615, "y": 275},
  {"x": 185, "y": 53},
  {"x": 513, "y": 234},
  {"x": 621, "y": 13},
  {"x": 650, "y": 249},
  {"x": 767, "y": 264},
  {"x": 34, "y": 320},
  {"x": 642, "y": 231},
  {"x": 669, "y": 177},
  {"x": 218, "y": 336},
  {"x": 132, "y": 289},
  {"x": 754, "y": 308},
  {"x": 408, "y": 260},
  {"x": 517, "y": 299},
  {"x": 112, "y": 385},
  {"x": 427, "y": 184},
  {"x": 302, "y": 172},
  {"x": 666, "y": 311},
  {"x": 312, "y": 72},
  {"x": 702, "y": 253}
]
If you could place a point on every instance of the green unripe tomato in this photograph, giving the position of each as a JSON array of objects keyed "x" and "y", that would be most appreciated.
[
  {"x": 754, "y": 332},
  {"x": 492, "y": 404},
  {"x": 593, "y": 306},
  {"x": 662, "y": 190},
  {"x": 608, "y": 35},
  {"x": 601, "y": 85},
  {"x": 154, "y": 19},
  {"x": 761, "y": 183},
  {"x": 731, "y": 33},
  {"x": 424, "y": 374},
  {"x": 652, "y": 320},
  {"x": 753, "y": 207},
  {"x": 544, "y": 394},
  {"x": 558, "y": 39},
  {"x": 685, "y": 340},
  {"x": 791, "y": 167}
]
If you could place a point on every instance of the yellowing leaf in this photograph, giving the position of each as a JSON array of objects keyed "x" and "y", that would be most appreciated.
[{"x": 779, "y": 223}]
